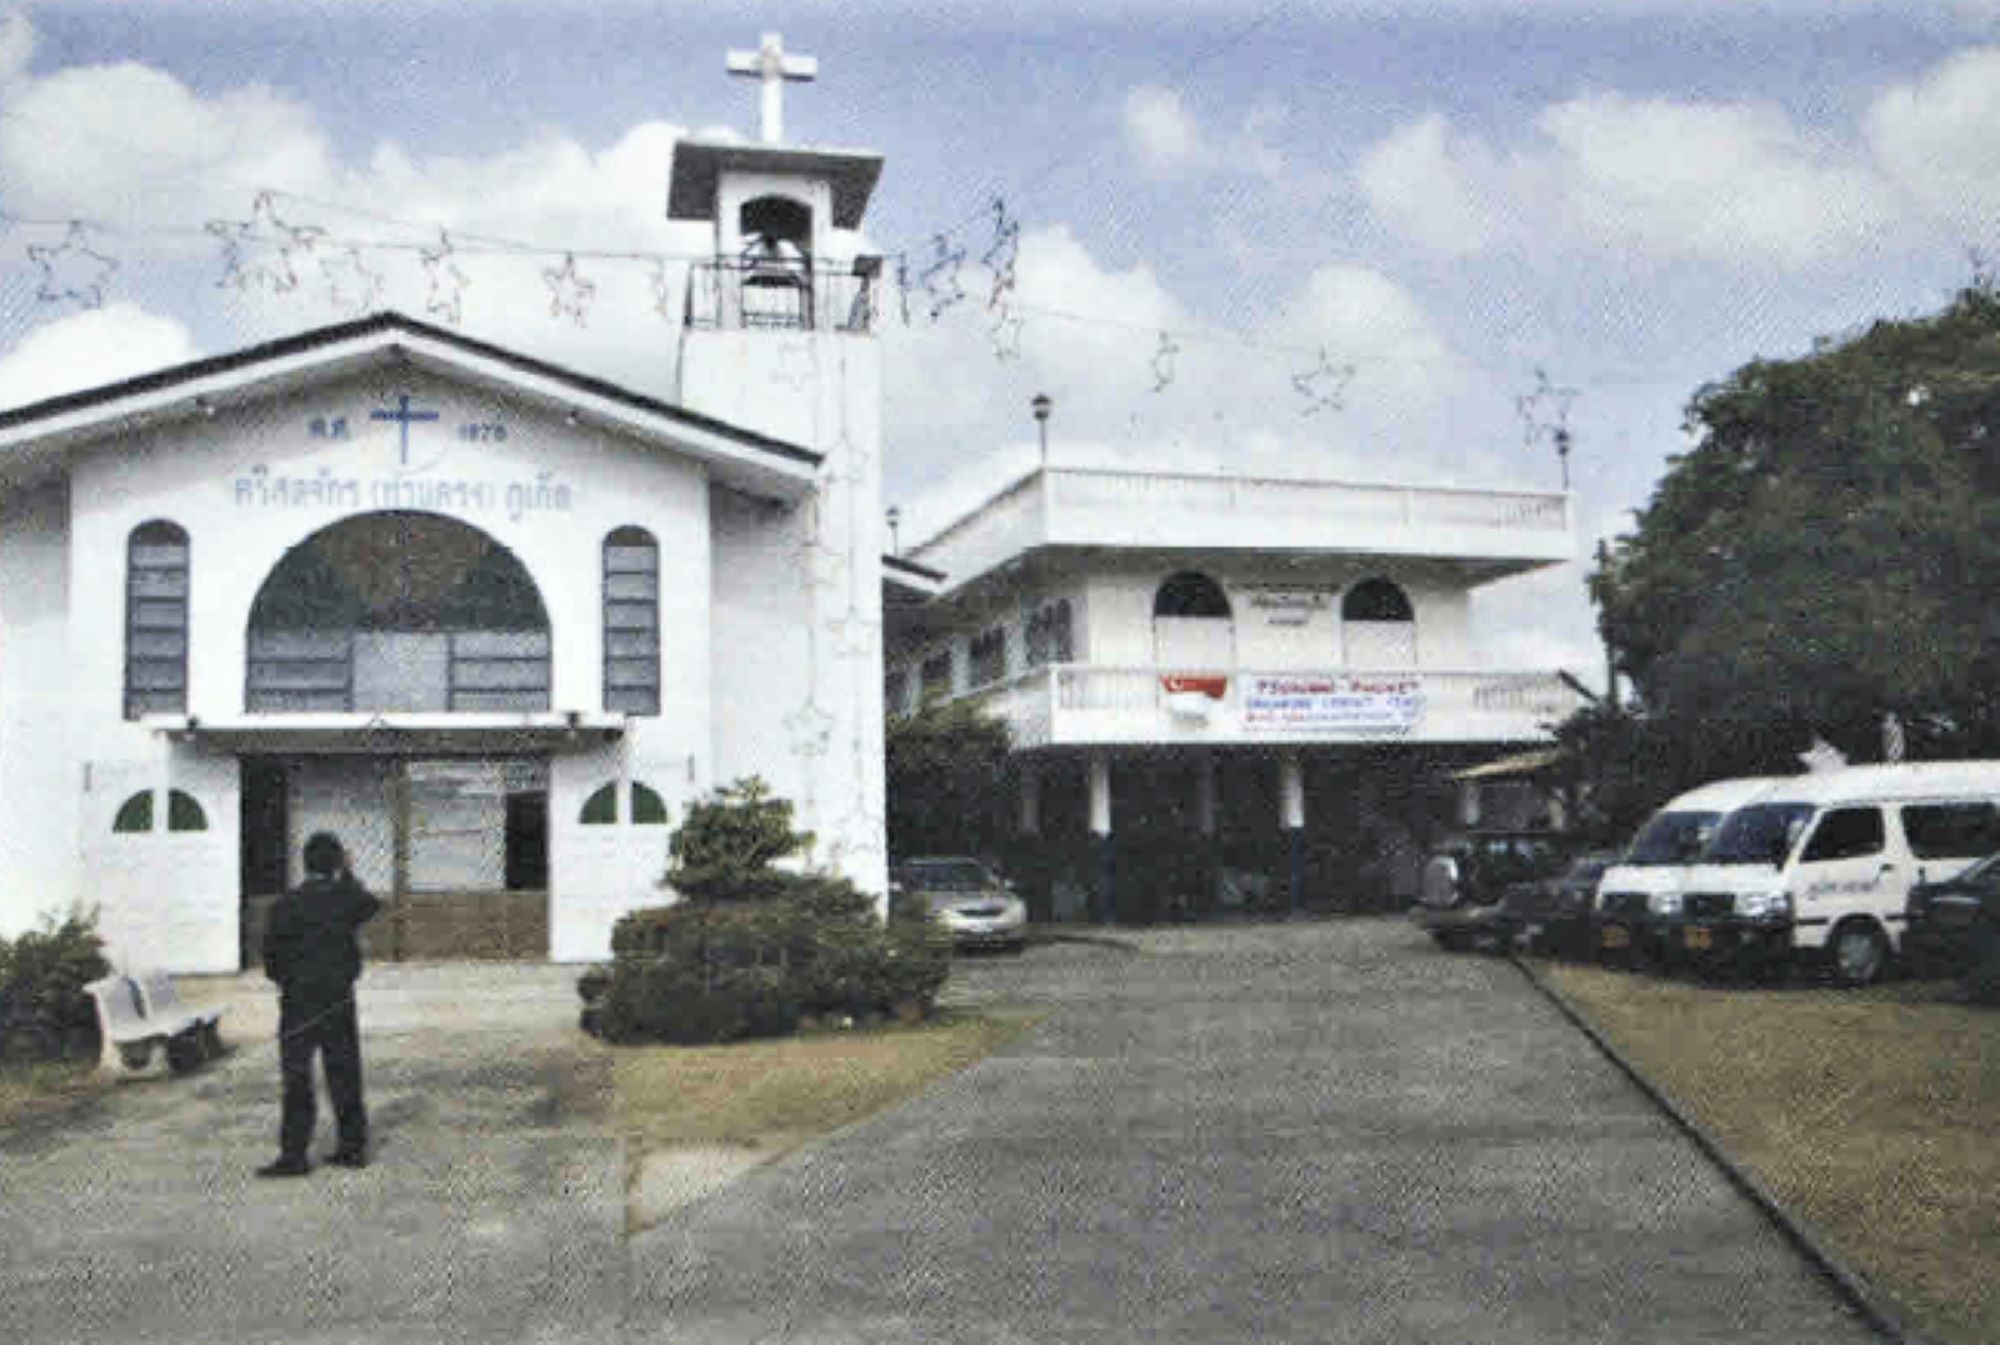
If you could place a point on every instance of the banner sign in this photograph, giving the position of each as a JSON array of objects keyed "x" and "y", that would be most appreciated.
[{"x": 1350, "y": 702}]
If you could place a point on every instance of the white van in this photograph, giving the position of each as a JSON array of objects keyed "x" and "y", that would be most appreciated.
[
  {"x": 1645, "y": 884},
  {"x": 1824, "y": 864}
]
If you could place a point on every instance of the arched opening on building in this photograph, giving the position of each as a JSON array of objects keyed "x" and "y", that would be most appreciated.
[
  {"x": 777, "y": 262},
  {"x": 398, "y": 611},
  {"x": 1193, "y": 630},
  {"x": 1378, "y": 626},
  {"x": 404, "y": 613}
]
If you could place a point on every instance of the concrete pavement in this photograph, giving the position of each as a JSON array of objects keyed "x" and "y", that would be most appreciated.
[{"x": 1310, "y": 1132}]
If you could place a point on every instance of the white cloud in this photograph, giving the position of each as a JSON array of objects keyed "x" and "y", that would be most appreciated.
[
  {"x": 1160, "y": 131},
  {"x": 1938, "y": 138},
  {"x": 1652, "y": 179},
  {"x": 17, "y": 47},
  {"x": 83, "y": 350}
]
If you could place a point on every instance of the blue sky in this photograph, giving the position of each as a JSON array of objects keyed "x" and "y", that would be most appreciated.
[{"x": 1635, "y": 198}]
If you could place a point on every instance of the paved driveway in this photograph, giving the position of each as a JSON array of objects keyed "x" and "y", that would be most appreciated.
[{"x": 1315, "y": 1132}]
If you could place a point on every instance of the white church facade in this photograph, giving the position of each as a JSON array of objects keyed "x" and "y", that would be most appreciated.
[
  {"x": 492, "y": 622},
  {"x": 1229, "y": 691}
]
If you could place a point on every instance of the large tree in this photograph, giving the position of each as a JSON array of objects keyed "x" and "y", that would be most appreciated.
[{"x": 1827, "y": 555}]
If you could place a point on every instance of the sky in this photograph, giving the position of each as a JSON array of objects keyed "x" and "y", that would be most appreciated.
[{"x": 1318, "y": 237}]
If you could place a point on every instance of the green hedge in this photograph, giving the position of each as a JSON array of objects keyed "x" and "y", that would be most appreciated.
[{"x": 44, "y": 1011}]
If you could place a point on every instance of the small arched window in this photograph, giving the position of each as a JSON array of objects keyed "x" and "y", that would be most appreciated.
[
  {"x": 1376, "y": 600},
  {"x": 156, "y": 620},
  {"x": 184, "y": 813},
  {"x": 631, "y": 622},
  {"x": 1190, "y": 594},
  {"x": 648, "y": 809},
  {"x": 135, "y": 814}
]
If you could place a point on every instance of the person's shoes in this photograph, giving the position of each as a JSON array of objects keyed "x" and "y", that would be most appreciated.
[
  {"x": 285, "y": 1167},
  {"x": 348, "y": 1158}
]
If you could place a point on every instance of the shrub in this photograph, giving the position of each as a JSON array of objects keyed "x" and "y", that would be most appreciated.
[
  {"x": 44, "y": 1010},
  {"x": 750, "y": 947}
]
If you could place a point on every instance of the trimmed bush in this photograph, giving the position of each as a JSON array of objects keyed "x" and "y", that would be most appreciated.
[
  {"x": 44, "y": 1010},
  {"x": 751, "y": 948}
]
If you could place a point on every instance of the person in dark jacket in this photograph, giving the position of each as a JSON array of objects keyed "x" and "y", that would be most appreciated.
[{"x": 311, "y": 951}]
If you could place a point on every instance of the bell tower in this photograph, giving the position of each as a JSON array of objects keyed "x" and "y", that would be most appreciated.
[{"x": 778, "y": 338}]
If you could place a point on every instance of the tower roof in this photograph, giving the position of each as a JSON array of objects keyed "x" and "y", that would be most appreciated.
[{"x": 699, "y": 165}]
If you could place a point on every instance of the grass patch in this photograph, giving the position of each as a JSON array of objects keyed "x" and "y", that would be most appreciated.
[
  {"x": 1870, "y": 1114},
  {"x": 773, "y": 1095},
  {"x": 30, "y": 1090}
]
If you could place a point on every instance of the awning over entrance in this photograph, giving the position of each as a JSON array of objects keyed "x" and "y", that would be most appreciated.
[{"x": 394, "y": 734}]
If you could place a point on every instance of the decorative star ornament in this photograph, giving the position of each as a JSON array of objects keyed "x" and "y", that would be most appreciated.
[
  {"x": 810, "y": 729},
  {"x": 1002, "y": 255},
  {"x": 257, "y": 253},
  {"x": 353, "y": 285},
  {"x": 853, "y": 635},
  {"x": 570, "y": 295},
  {"x": 1006, "y": 335},
  {"x": 903, "y": 285},
  {"x": 940, "y": 278},
  {"x": 1163, "y": 362},
  {"x": 72, "y": 270},
  {"x": 795, "y": 364},
  {"x": 662, "y": 282},
  {"x": 446, "y": 298},
  {"x": 1324, "y": 386}
]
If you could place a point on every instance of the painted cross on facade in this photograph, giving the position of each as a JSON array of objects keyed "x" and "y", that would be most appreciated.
[
  {"x": 772, "y": 67},
  {"x": 403, "y": 416}
]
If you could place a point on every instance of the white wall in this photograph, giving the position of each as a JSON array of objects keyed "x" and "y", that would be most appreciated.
[{"x": 38, "y": 776}]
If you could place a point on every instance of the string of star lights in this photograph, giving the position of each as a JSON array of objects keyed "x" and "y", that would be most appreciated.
[{"x": 1544, "y": 415}]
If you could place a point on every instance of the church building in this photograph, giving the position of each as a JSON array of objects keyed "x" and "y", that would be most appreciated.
[{"x": 492, "y": 622}]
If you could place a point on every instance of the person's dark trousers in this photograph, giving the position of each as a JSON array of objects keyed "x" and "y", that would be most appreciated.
[{"x": 329, "y": 1028}]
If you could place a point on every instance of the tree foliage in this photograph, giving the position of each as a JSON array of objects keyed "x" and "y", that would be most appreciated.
[
  {"x": 1824, "y": 556},
  {"x": 947, "y": 767}
]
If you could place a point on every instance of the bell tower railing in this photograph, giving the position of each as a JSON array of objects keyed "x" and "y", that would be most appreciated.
[{"x": 732, "y": 294}]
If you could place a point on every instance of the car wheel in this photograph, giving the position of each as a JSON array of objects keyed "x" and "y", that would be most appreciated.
[
  {"x": 1860, "y": 953},
  {"x": 1982, "y": 974}
]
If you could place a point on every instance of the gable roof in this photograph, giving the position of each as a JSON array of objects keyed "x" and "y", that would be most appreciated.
[{"x": 30, "y": 435}]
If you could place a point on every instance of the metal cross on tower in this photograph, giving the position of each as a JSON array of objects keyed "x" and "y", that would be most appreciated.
[{"x": 770, "y": 65}]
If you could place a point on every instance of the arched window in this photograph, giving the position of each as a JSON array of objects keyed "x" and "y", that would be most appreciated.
[
  {"x": 1192, "y": 630},
  {"x": 1049, "y": 636},
  {"x": 1189, "y": 594},
  {"x": 631, "y": 622},
  {"x": 1378, "y": 626},
  {"x": 156, "y": 620},
  {"x": 648, "y": 809},
  {"x": 184, "y": 813},
  {"x": 135, "y": 814}
]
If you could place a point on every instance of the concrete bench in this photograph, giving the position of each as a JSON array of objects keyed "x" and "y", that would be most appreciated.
[{"x": 135, "y": 1014}]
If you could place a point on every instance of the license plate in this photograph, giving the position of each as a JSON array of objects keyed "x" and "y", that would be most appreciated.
[
  {"x": 1617, "y": 936},
  {"x": 1696, "y": 939}
]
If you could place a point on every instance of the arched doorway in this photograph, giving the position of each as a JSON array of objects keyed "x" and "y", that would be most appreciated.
[
  {"x": 1192, "y": 626},
  {"x": 1378, "y": 627},
  {"x": 403, "y": 613}
]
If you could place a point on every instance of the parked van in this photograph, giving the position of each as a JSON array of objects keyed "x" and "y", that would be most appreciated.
[
  {"x": 1823, "y": 865},
  {"x": 1644, "y": 886}
]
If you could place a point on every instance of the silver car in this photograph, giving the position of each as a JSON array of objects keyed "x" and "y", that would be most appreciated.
[{"x": 976, "y": 907}]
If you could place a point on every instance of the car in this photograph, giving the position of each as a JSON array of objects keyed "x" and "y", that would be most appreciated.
[
  {"x": 973, "y": 904},
  {"x": 1952, "y": 928},
  {"x": 1554, "y": 914},
  {"x": 1459, "y": 900}
]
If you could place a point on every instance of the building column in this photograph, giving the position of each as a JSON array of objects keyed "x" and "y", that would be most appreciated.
[
  {"x": 1206, "y": 827},
  {"x": 1468, "y": 803},
  {"x": 1100, "y": 836},
  {"x": 1292, "y": 819},
  {"x": 1030, "y": 818}
]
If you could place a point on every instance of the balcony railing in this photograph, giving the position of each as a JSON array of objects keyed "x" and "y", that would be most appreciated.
[
  {"x": 731, "y": 295},
  {"x": 1086, "y": 703}
]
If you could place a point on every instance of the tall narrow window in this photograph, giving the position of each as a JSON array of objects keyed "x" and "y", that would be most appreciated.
[
  {"x": 156, "y": 620},
  {"x": 989, "y": 656},
  {"x": 631, "y": 622}
]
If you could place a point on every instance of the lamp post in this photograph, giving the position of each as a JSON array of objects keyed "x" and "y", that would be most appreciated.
[
  {"x": 1042, "y": 406},
  {"x": 895, "y": 518}
]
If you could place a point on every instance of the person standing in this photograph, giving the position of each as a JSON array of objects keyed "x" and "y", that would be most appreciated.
[{"x": 312, "y": 952}]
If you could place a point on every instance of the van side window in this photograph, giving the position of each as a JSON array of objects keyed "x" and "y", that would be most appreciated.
[
  {"x": 1952, "y": 830},
  {"x": 1845, "y": 833}
]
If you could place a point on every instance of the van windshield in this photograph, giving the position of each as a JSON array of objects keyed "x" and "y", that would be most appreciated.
[
  {"x": 1671, "y": 838},
  {"x": 1763, "y": 833}
]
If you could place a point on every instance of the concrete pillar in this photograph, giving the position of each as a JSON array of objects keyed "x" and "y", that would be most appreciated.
[
  {"x": 1204, "y": 794},
  {"x": 1292, "y": 818},
  {"x": 1207, "y": 827},
  {"x": 1031, "y": 801},
  {"x": 1100, "y": 835},
  {"x": 1468, "y": 803}
]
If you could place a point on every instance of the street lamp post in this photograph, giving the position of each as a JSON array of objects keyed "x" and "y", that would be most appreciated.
[{"x": 1042, "y": 406}]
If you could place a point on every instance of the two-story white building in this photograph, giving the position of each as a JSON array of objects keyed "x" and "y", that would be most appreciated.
[
  {"x": 1228, "y": 690},
  {"x": 491, "y": 622}
]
